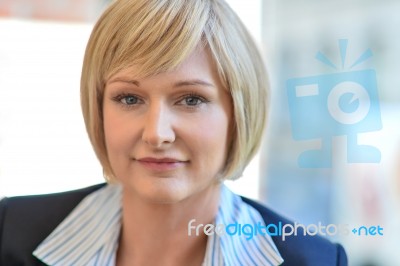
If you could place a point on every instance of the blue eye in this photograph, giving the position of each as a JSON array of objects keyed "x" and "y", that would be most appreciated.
[
  {"x": 129, "y": 100},
  {"x": 192, "y": 100}
]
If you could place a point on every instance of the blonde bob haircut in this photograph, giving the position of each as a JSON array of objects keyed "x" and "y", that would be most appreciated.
[{"x": 156, "y": 36}]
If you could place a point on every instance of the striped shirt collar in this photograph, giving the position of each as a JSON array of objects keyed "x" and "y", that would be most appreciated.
[{"x": 89, "y": 234}]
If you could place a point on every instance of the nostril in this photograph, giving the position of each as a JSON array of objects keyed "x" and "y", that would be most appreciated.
[{"x": 158, "y": 130}]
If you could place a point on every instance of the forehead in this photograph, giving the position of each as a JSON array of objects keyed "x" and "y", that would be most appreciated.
[{"x": 198, "y": 65}]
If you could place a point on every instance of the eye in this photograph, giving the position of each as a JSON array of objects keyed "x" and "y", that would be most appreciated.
[
  {"x": 192, "y": 100},
  {"x": 127, "y": 99}
]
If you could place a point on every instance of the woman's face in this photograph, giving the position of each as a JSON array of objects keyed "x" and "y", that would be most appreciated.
[{"x": 167, "y": 135}]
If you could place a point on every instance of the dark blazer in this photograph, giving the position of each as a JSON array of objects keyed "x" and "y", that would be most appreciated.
[{"x": 26, "y": 221}]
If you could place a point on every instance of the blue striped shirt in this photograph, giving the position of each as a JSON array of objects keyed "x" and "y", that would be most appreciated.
[{"x": 89, "y": 234}]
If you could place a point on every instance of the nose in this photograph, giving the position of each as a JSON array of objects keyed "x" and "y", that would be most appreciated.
[{"x": 158, "y": 130}]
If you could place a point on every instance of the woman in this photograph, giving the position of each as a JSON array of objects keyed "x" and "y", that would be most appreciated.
[{"x": 174, "y": 98}]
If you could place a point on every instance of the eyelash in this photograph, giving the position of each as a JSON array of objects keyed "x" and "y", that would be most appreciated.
[
  {"x": 200, "y": 100},
  {"x": 123, "y": 96}
]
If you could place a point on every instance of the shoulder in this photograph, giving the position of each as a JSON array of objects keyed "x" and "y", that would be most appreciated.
[
  {"x": 301, "y": 250},
  {"x": 26, "y": 221}
]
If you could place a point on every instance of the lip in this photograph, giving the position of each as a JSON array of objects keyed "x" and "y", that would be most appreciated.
[{"x": 160, "y": 164}]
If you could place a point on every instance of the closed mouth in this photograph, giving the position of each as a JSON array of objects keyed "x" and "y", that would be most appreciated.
[
  {"x": 161, "y": 164},
  {"x": 159, "y": 160}
]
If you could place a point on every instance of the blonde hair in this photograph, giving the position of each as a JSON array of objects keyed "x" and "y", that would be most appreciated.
[{"x": 156, "y": 36}]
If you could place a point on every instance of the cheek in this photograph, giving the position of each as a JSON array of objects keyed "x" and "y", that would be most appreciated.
[
  {"x": 110, "y": 126},
  {"x": 211, "y": 137},
  {"x": 115, "y": 130}
]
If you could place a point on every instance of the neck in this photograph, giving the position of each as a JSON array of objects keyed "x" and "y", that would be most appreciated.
[{"x": 157, "y": 234}]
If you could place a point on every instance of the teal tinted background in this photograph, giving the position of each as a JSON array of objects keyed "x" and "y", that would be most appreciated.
[{"x": 363, "y": 193}]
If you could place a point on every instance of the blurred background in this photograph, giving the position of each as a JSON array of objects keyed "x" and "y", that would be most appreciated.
[{"x": 44, "y": 147}]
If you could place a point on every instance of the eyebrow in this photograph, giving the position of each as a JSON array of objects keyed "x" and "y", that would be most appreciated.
[
  {"x": 192, "y": 82},
  {"x": 125, "y": 80}
]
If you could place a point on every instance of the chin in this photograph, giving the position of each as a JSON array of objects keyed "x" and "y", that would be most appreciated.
[
  {"x": 164, "y": 197},
  {"x": 161, "y": 191}
]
